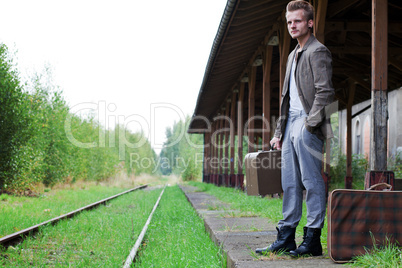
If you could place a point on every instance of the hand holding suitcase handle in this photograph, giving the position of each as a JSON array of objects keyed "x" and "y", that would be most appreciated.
[
  {"x": 276, "y": 143},
  {"x": 272, "y": 148},
  {"x": 380, "y": 187}
]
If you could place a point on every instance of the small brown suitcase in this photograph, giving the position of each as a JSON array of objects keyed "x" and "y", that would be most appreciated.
[
  {"x": 356, "y": 217},
  {"x": 263, "y": 172}
]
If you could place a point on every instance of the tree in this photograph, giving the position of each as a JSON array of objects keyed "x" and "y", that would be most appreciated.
[
  {"x": 182, "y": 152},
  {"x": 15, "y": 119}
]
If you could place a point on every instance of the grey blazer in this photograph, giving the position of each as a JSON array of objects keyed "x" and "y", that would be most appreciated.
[{"x": 313, "y": 80}]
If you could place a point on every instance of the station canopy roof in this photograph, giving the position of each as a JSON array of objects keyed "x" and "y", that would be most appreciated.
[{"x": 246, "y": 23}]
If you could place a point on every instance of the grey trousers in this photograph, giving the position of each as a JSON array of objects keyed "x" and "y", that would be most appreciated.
[{"x": 301, "y": 169}]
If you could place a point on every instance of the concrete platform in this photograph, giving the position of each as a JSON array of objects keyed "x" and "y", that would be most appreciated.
[{"x": 240, "y": 236}]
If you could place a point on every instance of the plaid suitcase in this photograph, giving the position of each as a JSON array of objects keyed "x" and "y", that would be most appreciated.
[{"x": 354, "y": 216}]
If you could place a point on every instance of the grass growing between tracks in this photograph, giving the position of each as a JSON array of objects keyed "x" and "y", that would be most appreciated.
[
  {"x": 176, "y": 237},
  {"x": 101, "y": 237},
  {"x": 19, "y": 212}
]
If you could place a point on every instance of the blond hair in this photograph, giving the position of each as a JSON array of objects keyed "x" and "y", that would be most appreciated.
[{"x": 301, "y": 4}]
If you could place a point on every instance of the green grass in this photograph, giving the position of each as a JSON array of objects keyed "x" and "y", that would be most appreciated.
[
  {"x": 176, "y": 237},
  {"x": 388, "y": 256},
  {"x": 19, "y": 212},
  {"x": 270, "y": 208},
  {"x": 101, "y": 237}
]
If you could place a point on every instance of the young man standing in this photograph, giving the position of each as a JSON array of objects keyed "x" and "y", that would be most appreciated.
[{"x": 300, "y": 133}]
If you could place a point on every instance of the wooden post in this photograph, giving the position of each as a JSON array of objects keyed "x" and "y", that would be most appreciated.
[
  {"x": 284, "y": 47},
  {"x": 266, "y": 99},
  {"x": 221, "y": 136},
  {"x": 206, "y": 156},
  {"x": 239, "y": 177},
  {"x": 251, "y": 109},
  {"x": 226, "y": 158},
  {"x": 379, "y": 85},
  {"x": 213, "y": 152},
  {"x": 225, "y": 162},
  {"x": 328, "y": 157},
  {"x": 319, "y": 20},
  {"x": 319, "y": 32},
  {"x": 349, "y": 178},
  {"x": 240, "y": 130},
  {"x": 232, "y": 131},
  {"x": 209, "y": 155}
]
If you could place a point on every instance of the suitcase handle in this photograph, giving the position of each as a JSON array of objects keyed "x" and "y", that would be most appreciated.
[
  {"x": 271, "y": 148},
  {"x": 381, "y": 187}
]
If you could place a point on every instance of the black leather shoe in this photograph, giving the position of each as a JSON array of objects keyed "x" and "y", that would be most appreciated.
[
  {"x": 285, "y": 241},
  {"x": 311, "y": 244}
]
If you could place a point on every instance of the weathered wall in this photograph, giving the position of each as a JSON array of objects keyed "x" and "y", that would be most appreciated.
[{"x": 363, "y": 121}]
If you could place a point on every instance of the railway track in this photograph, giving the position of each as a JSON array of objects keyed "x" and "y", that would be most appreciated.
[
  {"x": 137, "y": 244},
  {"x": 17, "y": 237}
]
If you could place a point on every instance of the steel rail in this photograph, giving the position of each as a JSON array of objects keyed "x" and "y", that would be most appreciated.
[
  {"x": 137, "y": 244},
  {"x": 8, "y": 239}
]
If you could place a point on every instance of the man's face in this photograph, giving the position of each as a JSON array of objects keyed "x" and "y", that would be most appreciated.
[{"x": 298, "y": 26}]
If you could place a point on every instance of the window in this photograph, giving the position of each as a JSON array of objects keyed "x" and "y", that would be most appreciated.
[{"x": 358, "y": 138}]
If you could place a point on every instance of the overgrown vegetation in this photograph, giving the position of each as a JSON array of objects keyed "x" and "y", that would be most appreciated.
[
  {"x": 395, "y": 164},
  {"x": 182, "y": 153},
  {"x": 387, "y": 256},
  {"x": 20, "y": 212},
  {"x": 338, "y": 171},
  {"x": 101, "y": 237},
  {"x": 360, "y": 164},
  {"x": 42, "y": 141},
  {"x": 176, "y": 237}
]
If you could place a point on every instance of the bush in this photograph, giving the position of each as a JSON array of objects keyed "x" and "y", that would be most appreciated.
[
  {"x": 395, "y": 164},
  {"x": 338, "y": 171},
  {"x": 191, "y": 169}
]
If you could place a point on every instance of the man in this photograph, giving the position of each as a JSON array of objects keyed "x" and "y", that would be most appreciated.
[{"x": 300, "y": 133}]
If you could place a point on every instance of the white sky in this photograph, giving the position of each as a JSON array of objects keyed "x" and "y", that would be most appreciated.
[{"x": 136, "y": 56}]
